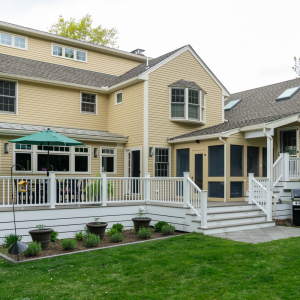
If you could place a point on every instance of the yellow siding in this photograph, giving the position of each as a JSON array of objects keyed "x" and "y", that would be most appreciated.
[
  {"x": 186, "y": 67},
  {"x": 55, "y": 106},
  {"x": 40, "y": 49}
]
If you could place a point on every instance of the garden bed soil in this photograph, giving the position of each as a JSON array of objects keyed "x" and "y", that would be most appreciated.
[
  {"x": 284, "y": 222},
  {"x": 55, "y": 248}
]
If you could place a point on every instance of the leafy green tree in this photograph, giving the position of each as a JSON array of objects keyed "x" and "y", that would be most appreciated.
[
  {"x": 296, "y": 68},
  {"x": 82, "y": 30}
]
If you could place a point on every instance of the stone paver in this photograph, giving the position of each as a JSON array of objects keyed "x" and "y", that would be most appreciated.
[{"x": 260, "y": 235}]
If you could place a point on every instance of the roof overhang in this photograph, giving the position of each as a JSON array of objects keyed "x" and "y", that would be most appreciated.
[{"x": 75, "y": 43}]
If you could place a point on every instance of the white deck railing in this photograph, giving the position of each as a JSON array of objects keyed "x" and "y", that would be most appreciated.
[{"x": 294, "y": 167}]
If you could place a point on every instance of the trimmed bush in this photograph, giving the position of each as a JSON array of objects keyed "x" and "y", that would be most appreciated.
[
  {"x": 54, "y": 236},
  {"x": 33, "y": 249},
  {"x": 159, "y": 225},
  {"x": 144, "y": 233},
  {"x": 112, "y": 231},
  {"x": 117, "y": 237},
  {"x": 68, "y": 244},
  {"x": 10, "y": 239},
  {"x": 168, "y": 229},
  {"x": 92, "y": 241},
  {"x": 118, "y": 226},
  {"x": 79, "y": 235}
]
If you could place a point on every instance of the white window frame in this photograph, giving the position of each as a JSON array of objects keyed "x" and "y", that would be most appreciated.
[
  {"x": 297, "y": 138},
  {"x": 116, "y": 96},
  {"x": 16, "y": 104},
  {"x": 169, "y": 154},
  {"x": 71, "y": 48},
  {"x": 186, "y": 118},
  {"x": 96, "y": 104},
  {"x": 13, "y": 40},
  {"x": 109, "y": 155},
  {"x": 15, "y": 151},
  {"x": 88, "y": 154}
]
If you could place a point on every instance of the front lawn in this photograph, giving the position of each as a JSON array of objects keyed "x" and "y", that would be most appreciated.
[{"x": 192, "y": 266}]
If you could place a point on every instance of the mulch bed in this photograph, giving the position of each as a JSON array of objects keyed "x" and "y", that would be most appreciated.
[
  {"x": 284, "y": 222},
  {"x": 56, "y": 248}
]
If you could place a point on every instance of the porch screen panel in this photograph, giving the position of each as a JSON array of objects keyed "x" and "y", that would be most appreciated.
[
  {"x": 236, "y": 160},
  {"x": 216, "y": 189},
  {"x": 253, "y": 160},
  {"x": 182, "y": 162},
  {"x": 236, "y": 189},
  {"x": 216, "y": 161},
  {"x": 265, "y": 162},
  {"x": 288, "y": 142}
]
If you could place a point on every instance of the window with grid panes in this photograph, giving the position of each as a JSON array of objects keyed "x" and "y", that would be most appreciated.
[
  {"x": 161, "y": 162},
  {"x": 7, "y": 96},
  {"x": 177, "y": 103},
  {"x": 69, "y": 53},
  {"x": 108, "y": 160},
  {"x": 193, "y": 104},
  {"x": 88, "y": 103}
]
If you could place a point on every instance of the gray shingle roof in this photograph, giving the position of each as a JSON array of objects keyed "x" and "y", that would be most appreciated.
[
  {"x": 42, "y": 70},
  {"x": 185, "y": 84},
  {"x": 258, "y": 106}
]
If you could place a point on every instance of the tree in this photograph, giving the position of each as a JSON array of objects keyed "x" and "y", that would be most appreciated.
[
  {"x": 296, "y": 68},
  {"x": 82, "y": 30}
]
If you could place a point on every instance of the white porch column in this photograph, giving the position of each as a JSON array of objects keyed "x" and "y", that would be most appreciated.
[
  {"x": 251, "y": 175},
  {"x": 147, "y": 188},
  {"x": 270, "y": 161},
  {"x": 186, "y": 190},
  {"x": 286, "y": 167},
  {"x": 52, "y": 189},
  {"x": 269, "y": 205},
  {"x": 104, "y": 189},
  {"x": 203, "y": 209}
]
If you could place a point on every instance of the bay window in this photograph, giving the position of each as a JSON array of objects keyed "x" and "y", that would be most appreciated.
[{"x": 177, "y": 103}]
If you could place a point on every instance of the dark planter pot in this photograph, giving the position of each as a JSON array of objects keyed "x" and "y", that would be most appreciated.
[
  {"x": 141, "y": 222},
  {"x": 98, "y": 229},
  {"x": 42, "y": 236}
]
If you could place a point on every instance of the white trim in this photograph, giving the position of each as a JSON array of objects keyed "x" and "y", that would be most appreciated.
[
  {"x": 223, "y": 112},
  {"x": 146, "y": 126},
  {"x": 13, "y": 40},
  {"x": 126, "y": 159},
  {"x": 109, "y": 155},
  {"x": 169, "y": 155},
  {"x": 116, "y": 97},
  {"x": 297, "y": 138},
  {"x": 96, "y": 104},
  {"x": 71, "y": 48},
  {"x": 16, "y": 104},
  {"x": 58, "y": 38}
]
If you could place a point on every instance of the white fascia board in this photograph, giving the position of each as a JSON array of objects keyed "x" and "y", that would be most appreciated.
[
  {"x": 125, "y": 84},
  {"x": 61, "y": 39},
  {"x": 17, "y": 132},
  {"x": 225, "y": 134},
  {"x": 53, "y": 82},
  {"x": 257, "y": 133}
]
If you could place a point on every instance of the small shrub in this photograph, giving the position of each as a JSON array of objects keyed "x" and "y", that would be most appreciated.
[
  {"x": 10, "y": 239},
  {"x": 118, "y": 226},
  {"x": 33, "y": 249},
  {"x": 144, "y": 233},
  {"x": 86, "y": 232},
  {"x": 140, "y": 215},
  {"x": 117, "y": 237},
  {"x": 92, "y": 241},
  {"x": 79, "y": 235},
  {"x": 68, "y": 244},
  {"x": 40, "y": 227},
  {"x": 54, "y": 236},
  {"x": 159, "y": 225},
  {"x": 112, "y": 231},
  {"x": 168, "y": 229},
  {"x": 96, "y": 220}
]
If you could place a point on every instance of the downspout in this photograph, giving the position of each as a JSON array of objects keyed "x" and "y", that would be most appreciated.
[
  {"x": 225, "y": 168},
  {"x": 271, "y": 175}
]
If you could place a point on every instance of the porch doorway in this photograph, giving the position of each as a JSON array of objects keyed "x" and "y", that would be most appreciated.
[
  {"x": 198, "y": 169},
  {"x": 133, "y": 169},
  {"x": 289, "y": 142}
]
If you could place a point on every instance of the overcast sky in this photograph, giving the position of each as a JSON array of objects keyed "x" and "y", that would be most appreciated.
[{"x": 246, "y": 44}]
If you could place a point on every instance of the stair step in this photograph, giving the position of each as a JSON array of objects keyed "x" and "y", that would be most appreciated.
[
  {"x": 236, "y": 227},
  {"x": 237, "y": 207},
  {"x": 232, "y": 221}
]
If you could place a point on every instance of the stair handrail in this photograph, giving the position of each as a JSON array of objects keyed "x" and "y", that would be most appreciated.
[{"x": 278, "y": 170}]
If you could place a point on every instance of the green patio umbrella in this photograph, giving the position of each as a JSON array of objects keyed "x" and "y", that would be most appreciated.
[{"x": 47, "y": 138}]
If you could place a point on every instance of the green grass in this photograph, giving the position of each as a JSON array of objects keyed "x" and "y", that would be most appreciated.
[{"x": 193, "y": 266}]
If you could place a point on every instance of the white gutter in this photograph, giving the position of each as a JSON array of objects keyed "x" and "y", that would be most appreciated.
[{"x": 225, "y": 168}]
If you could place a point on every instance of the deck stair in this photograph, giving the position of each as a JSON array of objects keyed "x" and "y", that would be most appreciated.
[{"x": 226, "y": 217}]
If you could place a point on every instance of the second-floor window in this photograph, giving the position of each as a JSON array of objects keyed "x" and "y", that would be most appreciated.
[
  {"x": 88, "y": 103},
  {"x": 69, "y": 53},
  {"x": 8, "y": 97},
  {"x": 187, "y": 105},
  {"x": 14, "y": 41}
]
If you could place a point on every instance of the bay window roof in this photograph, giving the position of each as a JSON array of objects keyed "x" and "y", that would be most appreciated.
[{"x": 186, "y": 84}]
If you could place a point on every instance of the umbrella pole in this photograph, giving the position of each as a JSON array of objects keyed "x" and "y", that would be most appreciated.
[{"x": 48, "y": 162}]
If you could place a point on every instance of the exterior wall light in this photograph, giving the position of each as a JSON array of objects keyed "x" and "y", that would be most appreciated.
[
  {"x": 95, "y": 152},
  {"x": 6, "y": 147},
  {"x": 150, "y": 151}
]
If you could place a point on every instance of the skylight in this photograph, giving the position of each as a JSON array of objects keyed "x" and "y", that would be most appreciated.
[
  {"x": 289, "y": 93},
  {"x": 232, "y": 104}
]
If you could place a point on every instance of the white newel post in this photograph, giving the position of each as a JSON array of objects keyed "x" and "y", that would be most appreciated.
[
  {"x": 203, "y": 209},
  {"x": 186, "y": 190},
  {"x": 147, "y": 188},
  {"x": 251, "y": 175},
  {"x": 286, "y": 167},
  {"x": 104, "y": 189},
  {"x": 269, "y": 205},
  {"x": 51, "y": 189}
]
